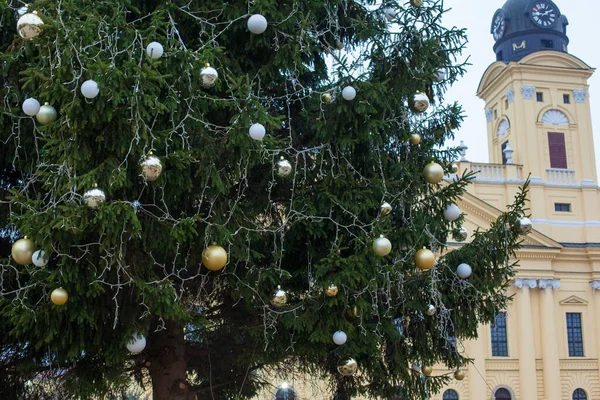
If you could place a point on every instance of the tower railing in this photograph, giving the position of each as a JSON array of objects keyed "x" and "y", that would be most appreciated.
[{"x": 560, "y": 176}]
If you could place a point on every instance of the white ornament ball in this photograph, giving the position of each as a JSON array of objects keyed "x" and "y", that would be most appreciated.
[
  {"x": 257, "y": 131},
  {"x": 349, "y": 93},
  {"x": 137, "y": 344},
  {"x": 154, "y": 50},
  {"x": 452, "y": 212},
  {"x": 382, "y": 246},
  {"x": 257, "y": 24},
  {"x": 464, "y": 271},
  {"x": 440, "y": 75},
  {"x": 339, "y": 338},
  {"x": 90, "y": 89},
  {"x": 39, "y": 258},
  {"x": 31, "y": 107}
]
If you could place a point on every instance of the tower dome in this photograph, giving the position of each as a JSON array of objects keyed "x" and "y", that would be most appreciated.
[{"x": 522, "y": 27}]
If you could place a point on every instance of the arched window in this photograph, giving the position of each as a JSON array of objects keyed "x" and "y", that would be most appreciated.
[
  {"x": 502, "y": 394},
  {"x": 450, "y": 395},
  {"x": 285, "y": 393},
  {"x": 555, "y": 117},
  {"x": 579, "y": 394}
]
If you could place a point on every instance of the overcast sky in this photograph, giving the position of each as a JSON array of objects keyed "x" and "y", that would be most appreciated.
[{"x": 476, "y": 15}]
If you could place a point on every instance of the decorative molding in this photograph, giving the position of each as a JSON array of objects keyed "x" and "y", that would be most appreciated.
[
  {"x": 489, "y": 114},
  {"x": 555, "y": 117},
  {"x": 579, "y": 95},
  {"x": 527, "y": 92},
  {"x": 573, "y": 301},
  {"x": 558, "y": 222},
  {"x": 549, "y": 284},
  {"x": 510, "y": 95},
  {"x": 523, "y": 283},
  {"x": 503, "y": 127},
  {"x": 579, "y": 365},
  {"x": 504, "y": 365},
  {"x": 595, "y": 285}
]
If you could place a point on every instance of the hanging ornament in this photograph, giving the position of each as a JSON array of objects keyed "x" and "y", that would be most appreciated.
[
  {"x": 90, "y": 89},
  {"x": 340, "y": 338},
  {"x": 424, "y": 259},
  {"x": 415, "y": 139},
  {"x": 257, "y": 24},
  {"x": 433, "y": 173},
  {"x": 461, "y": 234},
  {"x": 416, "y": 3},
  {"x": 453, "y": 168},
  {"x": 29, "y": 25},
  {"x": 326, "y": 98},
  {"x": 214, "y": 257},
  {"x": 459, "y": 375},
  {"x": 93, "y": 197},
  {"x": 59, "y": 296},
  {"x": 464, "y": 271},
  {"x": 209, "y": 75},
  {"x": 151, "y": 167},
  {"x": 426, "y": 370},
  {"x": 136, "y": 344},
  {"x": 31, "y": 107},
  {"x": 352, "y": 312},
  {"x": 349, "y": 93},
  {"x": 257, "y": 131},
  {"x": 22, "y": 10},
  {"x": 136, "y": 205},
  {"x": 418, "y": 102},
  {"x": 154, "y": 50},
  {"x": 525, "y": 226},
  {"x": 46, "y": 114},
  {"x": 390, "y": 13},
  {"x": 452, "y": 212},
  {"x": 279, "y": 298},
  {"x": 39, "y": 258},
  {"x": 430, "y": 310},
  {"x": 347, "y": 367},
  {"x": 332, "y": 290},
  {"x": 22, "y": 251},
  {"x": 385, "y": 208},
  {"x": 382, "y": 246},
  {"x": 440, "y": 75},
  {"x": 283, "y": 168}
]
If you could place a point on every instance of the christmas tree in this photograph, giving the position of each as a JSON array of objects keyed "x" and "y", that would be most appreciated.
[{"x": 214, "y": 190}]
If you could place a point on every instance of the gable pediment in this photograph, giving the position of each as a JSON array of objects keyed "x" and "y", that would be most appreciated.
[{"x": 573, "y": 301}]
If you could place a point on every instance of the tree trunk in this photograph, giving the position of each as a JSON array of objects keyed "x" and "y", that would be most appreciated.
[{"x": 168, "y": 364}]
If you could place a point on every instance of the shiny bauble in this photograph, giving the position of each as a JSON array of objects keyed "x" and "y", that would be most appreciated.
[
  {"x": 452, "y": 212},
  {"x": 426, "y": 370},
  {"x": 415, "y": 139},
  {"x": 154, "y": 50},
  {"x": 430, "y": 310},
  {"x": 390, "y": 14},
  {"x": 461, "y": 235},
  {"x": 46, "y": 114},
  {"x": 459, "y": 375},
  {"x": 257, "y": 24},
  {"x": 59, "y": 296},
  {"x": 31, "y": 107},
  {"x": 331, "y": 290},
  {"x": 352, "y": 312},
  {"x": 93, "y": 197},
  {"x": 349, "y": 93},
  {"x": 326, "y": 98},
  {"x": 90, "y": 89},
  {"x": 340, "y": 338},
  {"x": 433, "y": 173},
  {"x": 424, "y": 259},
  {"x": 283, "y": 168},
  {"x": 382, "y": 246},
  {"x": 29, "y": 25},
  {"x": 418, "y": 102},
  {"x": 279, "y": 298},
  {"x": 453, "y": 168},
  {"x": 39, "y": 258},
  {"x": 257, "y": 131},
  {"x": 347, "y": 367},
  {"x": 464, "y": 271},
  {"x": 385, "y": 208},
  {"x": 525, "y": 226},
  {"x": 151, "y": 167},
  {"x": 22, "y": 251},
  {"x": 440, "y": 75},
  {"x": 136, "y": 344},
  {"x": 209, "y": 76},
  {"x": 22, "y": 10},
  {"x": 416, "y": 3},
  {"x": 214, "y": 257}
]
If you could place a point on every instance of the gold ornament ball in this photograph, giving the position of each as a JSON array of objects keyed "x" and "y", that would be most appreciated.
[
  {"x": 59, "y": 296},
  {"x": 418, "y": 102},
  {"x": 332, "y": 290},
  {"x": 453, "y": 168},
  {"x": 29, "y": 25},
  {"x": 352, "y": 312},
  {"x": 214, "y": 257},
  {"x": 382, "y": 246},
  {"x": 433, "y": 173},
  {"x": 22, "y": 251},
  {"x": 93, "y": 197},
  {"x": 151, "y": 167},
  {"x": 459, "y": 375},
  {"x": 46, "y": 115},
  {"x": 326, "y": 98},
  {"x": 427, "y": 370},
  {"x": 279, "y": 297},
  {"x": 416, "y": 3},
  {"x": 424, "y": 259},
  {"x": 347, "y": 367},
  {"x": 415, "y": 139}
]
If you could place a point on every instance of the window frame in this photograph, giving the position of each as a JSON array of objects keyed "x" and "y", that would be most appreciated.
[
  {"x": 575, "y": 346},
  {"x": 510, "y": 395},
  {"x": 557, "y": 139},
  {"x": 566, "y": 98},
  {"x": 562, "y": 207},
  {"x": 453, "y": 393},
  {"x": 499, "y": 336},
  {"x": 578, "y": 391},
  {"x": 539, "y": 97}
]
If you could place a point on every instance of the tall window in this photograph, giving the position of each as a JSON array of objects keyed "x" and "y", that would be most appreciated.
[
  {"x": 450, "y": 395},
  {"x": 574, "y": 335},
  {"x": 579, "y": 394},
  {"x": 558, "y": 152},
  {"x": 498, "y": 333},
  {"x": 502, "y": 394}
]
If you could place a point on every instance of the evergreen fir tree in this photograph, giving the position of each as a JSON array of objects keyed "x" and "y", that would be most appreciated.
[{"x": 134, "y": 262}]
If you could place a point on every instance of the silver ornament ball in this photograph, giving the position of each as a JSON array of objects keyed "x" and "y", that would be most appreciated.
[
  {"x": 525, "y": 226},
  {"x": 29, "y": 25},
  {"x": 209, "y": 76},
  {"x": 283, "y": 168},
  {"x": 418, "y": 102},
  {"x": 461, "y": 235},
  {"x": 382, "y": 246},
  {"x": 93, "y": 197},
  {"x": 385, "y": 208},
  {"x": 279, "y": 298},
  {"x": 151, "y": 167},
  {"x": 347, "y": 367},
  {"x": 430, "y": 310},
  {"x": 46, "y": 114}
]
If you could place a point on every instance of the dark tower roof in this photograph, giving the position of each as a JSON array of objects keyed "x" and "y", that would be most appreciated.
[{"x": 522, "y": 27}]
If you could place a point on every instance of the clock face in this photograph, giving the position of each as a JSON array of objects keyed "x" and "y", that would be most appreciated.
[
  {"x": 498, "y": 26},
  {"x": 544, "y": 14}
]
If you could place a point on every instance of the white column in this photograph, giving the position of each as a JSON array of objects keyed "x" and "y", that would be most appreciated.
[
  {"x": 550, "y": 359},
  {"x": 527, "y": 374},
  {"x": 596, "y": 290}
]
